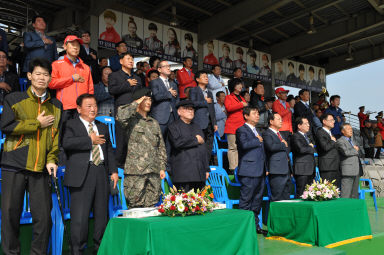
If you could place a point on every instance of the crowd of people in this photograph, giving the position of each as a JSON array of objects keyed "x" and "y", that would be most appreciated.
[{"x": 165, "y": 122}]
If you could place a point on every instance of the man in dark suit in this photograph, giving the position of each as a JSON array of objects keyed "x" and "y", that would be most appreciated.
[
  {"x": 38, "y": 44},
  {"x": 276, "y": 150},
  {"x": 329, "y": 162},
  {"x": 90, "y": 160},
  {"x": 89, "y": 56},
  {"x": 122, "y": 84},
  {"x": 205, "y": 116},
  {"x": 189, "y": 164},
  {"x": 303, "y": 155},
  {"x": 303, "y": 109},
  {"x": 251, "y": 164},
  {"x": 164, "y": 98}
]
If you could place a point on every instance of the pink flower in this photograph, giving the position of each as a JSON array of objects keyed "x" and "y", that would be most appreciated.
[{"x": 318, "y": 193}]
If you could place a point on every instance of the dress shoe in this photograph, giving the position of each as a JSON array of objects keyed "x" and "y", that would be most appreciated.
[{"x": 261, "y": 231}]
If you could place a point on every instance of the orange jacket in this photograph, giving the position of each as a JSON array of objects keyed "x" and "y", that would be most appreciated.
[
  {"x": 285, "y": 114},
  {"x": 68, "y": 90}
]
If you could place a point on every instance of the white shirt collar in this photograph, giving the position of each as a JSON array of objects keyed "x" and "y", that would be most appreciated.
[
  {"x": 328, "y": 131},
  {"x": 86, "y": 123},
  {"x": 302, "y": 133},
  {"x": 274, "y": 131},
  {"x": 164, "y": 79},
  {"x": 250, "y": 126}
]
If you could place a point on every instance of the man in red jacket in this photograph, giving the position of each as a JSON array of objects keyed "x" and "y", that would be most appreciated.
[
  {"x": 281, "y": 107},
  {"x": 70, "y": 78},
  {"x": 186, "y": 77}
]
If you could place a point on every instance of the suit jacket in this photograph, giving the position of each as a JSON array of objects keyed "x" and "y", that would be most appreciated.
[
  {"x": 92, "y": 63},
  {"x": 251, "y": 152},
  {"x": 189, "y": 161},
  {"x": 35, "y": 48},
  {"x": 327, "y": 151},
  {"x": 13, "y": 81},
  {"x": 119, "y": 87},
  {"x": 78, "y": 146},
  {"x": 303, "y": 155},
  {"x": 349, "y": 157},
  {"x": 276, "y": 152},
  {"x": 163, "y": 101},
  {"x": 204, "y": 112}
]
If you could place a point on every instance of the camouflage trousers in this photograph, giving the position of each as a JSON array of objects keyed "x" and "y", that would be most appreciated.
[{"x": 142, "y": 190}]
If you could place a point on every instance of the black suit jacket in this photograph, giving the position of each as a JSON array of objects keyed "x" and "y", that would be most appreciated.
[
  {"x": 327, "y": 151},
  {"x": 119, "y": 87},
  {"x": 78, "y": 145},
  {"x": 276, "y": 152},
  {"x": 302, "y": 111},
  {"x": 303, "y": 158},
  {"x": 204, "y": 112}
]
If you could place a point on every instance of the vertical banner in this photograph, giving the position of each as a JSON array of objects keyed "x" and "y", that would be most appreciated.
[
  {"x": 280, "y": 73},
  {"x": 153, "y": 38},
  {"x": 239, "y": 58},
  {"x": 253, "y": 64},
  {"x": 291, "y": 68},
  {"x": 265, "y": 69},
  {"x": 311, "y": 81},
  {"x": 321, "y": 75},
  {"x": 172, "y": 46},
  {"x": 301, "y": 78},
  {"x": 211, "y": 54},
  {"x": 226, "y": 57},
  {"x": 110, "y": 22},
  {"x": 189, "y": 45},
  {"x": 132, "y": 33}
]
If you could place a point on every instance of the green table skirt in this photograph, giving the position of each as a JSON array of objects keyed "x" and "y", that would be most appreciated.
[
  {"x": 220, "y": 232},
  {"x": 329, "y": 223}
]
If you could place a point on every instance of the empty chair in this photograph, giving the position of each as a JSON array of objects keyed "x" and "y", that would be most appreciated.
[
  {"x": 369, "y": 190},
  {"x": 110, "y": 122}
]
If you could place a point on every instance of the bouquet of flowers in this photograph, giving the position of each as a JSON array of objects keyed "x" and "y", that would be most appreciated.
[
  {"x": 320, "y": 191},
  {"x": 181, "y": 204}
]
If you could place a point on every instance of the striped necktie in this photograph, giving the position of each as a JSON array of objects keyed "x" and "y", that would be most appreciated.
[{"x": 95, "y": 148}]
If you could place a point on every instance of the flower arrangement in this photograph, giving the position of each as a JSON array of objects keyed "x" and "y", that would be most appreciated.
[
  {"x": 320, "y": 191},
  {"x": 178, "y": 203}
]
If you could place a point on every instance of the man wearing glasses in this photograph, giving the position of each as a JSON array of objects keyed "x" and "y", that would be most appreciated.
[
  {"x": 164, "y": 100},
  {"x": 327, "y": 151}
]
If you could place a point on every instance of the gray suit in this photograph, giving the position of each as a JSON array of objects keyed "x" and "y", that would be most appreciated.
[{"x": 349, "y": 164}]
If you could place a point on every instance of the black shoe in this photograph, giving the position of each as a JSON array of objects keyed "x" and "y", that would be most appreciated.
[{"x": 261, "y": 231}]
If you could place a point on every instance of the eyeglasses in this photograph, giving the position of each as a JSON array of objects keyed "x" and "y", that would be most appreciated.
[
  {"x": 4, "y": 57},
  {"x": 166, "y": 66}
]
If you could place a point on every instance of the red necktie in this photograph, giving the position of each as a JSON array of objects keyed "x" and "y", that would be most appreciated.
[{"x": 278, "y": 134}]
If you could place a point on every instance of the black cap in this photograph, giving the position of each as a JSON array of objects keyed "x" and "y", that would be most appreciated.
[
  {"x": 379, "y": 116},
  {"x": 380, "y": 113},
  {"x": 269, "y": 99},
  {"x": 361, "y": 107},
  {"x": 185, "y": 103},
  {"x": 141, "y": 92}
]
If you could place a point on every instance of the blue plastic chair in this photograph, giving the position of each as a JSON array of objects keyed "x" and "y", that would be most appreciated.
[
  {"x": 169, "y": 181},
  {"x": 371, "y": 190},
  {"x": 220, "y": 156},
  {"x": 217, "y": 179},
  {"x": 1, "y": 109},
  {"x": 117, "y": 203},
  {"x": 23, "y": 84},
  {"x": 110, "y": 122},
  {"x": 224, "y": 140}
]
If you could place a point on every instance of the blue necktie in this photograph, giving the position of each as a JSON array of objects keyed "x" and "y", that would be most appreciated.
[{"x": 307, "y": 139}]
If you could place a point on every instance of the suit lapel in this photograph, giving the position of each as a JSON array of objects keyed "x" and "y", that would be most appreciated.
[{"x": 82, "y": 128}]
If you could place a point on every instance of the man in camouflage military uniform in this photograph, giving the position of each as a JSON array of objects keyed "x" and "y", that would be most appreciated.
[{"x": 146, "y": 155}]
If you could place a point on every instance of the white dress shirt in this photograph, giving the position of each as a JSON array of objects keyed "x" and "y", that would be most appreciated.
[{"x": 86, "y": 124}]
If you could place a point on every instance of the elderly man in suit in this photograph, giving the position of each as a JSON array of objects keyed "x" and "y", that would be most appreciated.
[
  {"x": 303, "y": 155},
  {"x": 251, "y": 164},
  {"x": 164, "y": 98},
  {"x": 189, "y": 164},
  {"x": 349, "y": 163},
  {"x": 90, "y": 161},
  {"x": 276, "y": 150},
  {"x": 38, "y": 44},
  {"x": 329, "y": 162},
  {"x": 204, "y": 109}
]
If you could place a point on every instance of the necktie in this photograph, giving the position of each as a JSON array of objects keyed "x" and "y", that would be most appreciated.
[
  {"x": 166, "y": 84},
  {"x": 278, "y": 134},
  {"x": 350, "y": 141},
  {"x": 255, "y": 131},
  {"x": 95, "y": 148},
  {"x": 307, "y": 139}
]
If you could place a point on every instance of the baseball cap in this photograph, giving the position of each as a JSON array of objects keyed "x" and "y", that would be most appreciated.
[
  {"x": 278, "y": 90},
  {"x": 71, "y": 38}
]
